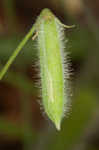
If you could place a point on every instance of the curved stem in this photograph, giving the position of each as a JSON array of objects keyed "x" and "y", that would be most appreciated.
[{"x": 16, "y": 52}]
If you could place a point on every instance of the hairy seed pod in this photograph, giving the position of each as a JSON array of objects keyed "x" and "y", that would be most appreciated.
[{"x": 52, "y": 71}]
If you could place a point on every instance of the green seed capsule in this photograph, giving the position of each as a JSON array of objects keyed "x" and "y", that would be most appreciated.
[{"x": 51, "y": 45}]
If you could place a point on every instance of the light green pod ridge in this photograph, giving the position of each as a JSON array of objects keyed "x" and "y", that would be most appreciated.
[{"x": 51, "y": 46}]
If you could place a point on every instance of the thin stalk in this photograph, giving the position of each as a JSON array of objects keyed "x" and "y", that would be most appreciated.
[{"x": 16, "y": 52}]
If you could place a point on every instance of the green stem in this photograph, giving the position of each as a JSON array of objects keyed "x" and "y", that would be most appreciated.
[{"x": 16, "y": 52}]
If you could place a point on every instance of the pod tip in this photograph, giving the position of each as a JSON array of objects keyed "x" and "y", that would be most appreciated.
[{"x": 58, "y": 127}]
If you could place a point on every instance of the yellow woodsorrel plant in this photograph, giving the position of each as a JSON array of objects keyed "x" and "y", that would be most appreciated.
[{"x": 53, "y": 70}]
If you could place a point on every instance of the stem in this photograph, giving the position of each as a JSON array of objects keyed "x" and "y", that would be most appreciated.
[{"x": 16, "y": 52}]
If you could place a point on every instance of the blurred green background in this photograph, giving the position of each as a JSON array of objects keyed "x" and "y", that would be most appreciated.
[{"x": 23, "y": 124}]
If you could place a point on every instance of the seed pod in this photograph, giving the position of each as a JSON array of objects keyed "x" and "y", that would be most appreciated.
[{"x": 52, "y": 71}]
